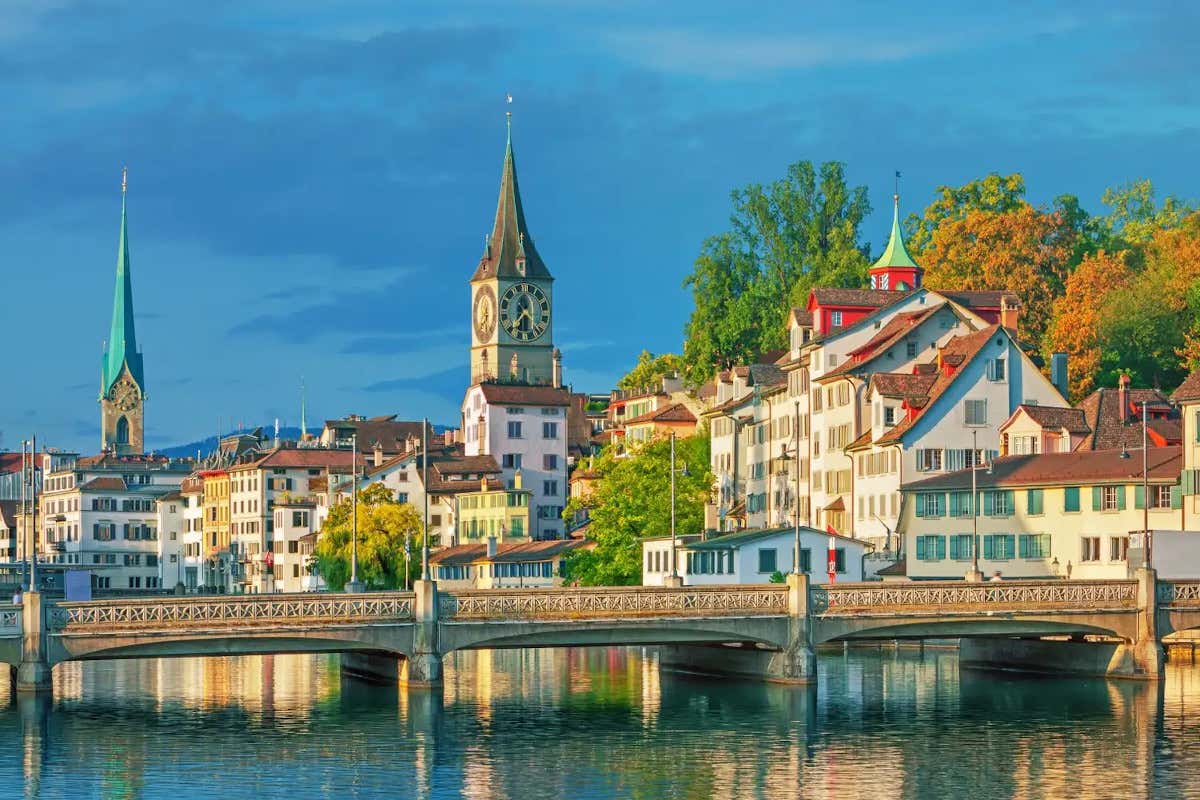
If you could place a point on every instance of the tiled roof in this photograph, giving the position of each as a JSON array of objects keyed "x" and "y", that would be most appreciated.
[
  {"x": 861, "y": 441},
  {"x": 902, "y": 384},
  {"x": 1188, "y": 390},
  {"x": 741, "y": 538},
  {"x": 766, "y": 374},
  {"x": 172, "y": 495},
  {"x": 896, "y": 329},
  {"x": 392, "y": 435},
  {"x": 802, "y": 317},
  {"x": 1102, "y": 413},
  {"x": 676, "y": 412},
  {"x": 512, "y": 393},
  {"x": 1080, "y": 467},
  {"x": 300, "y": 458},
  {"x": 856, "y": 298},
  {"x": 505, "y": 552},
  {"x": 109, "y": 459},
  {"x": 460, "y": 465},
  {"x": 10, "y": 462},
  {"x": 8, "y": 511},
  {"x": 958, "y": 352},
  {"x": 1072, "y": 419},
  {"x": 107, "y": 483},
  {"x": 980, "y": 299}
]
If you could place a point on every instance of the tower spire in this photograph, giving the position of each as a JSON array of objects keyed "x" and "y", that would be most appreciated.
[
  {"x": 303, "y": 416},
  {"x": 121, "y": 349},
  {"x": 895, "y": 269}
]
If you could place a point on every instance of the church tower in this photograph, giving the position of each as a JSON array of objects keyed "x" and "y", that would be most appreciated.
[
  {"x": 122, "y": 385},
  {"x": 895, "y": 270},
  {"x": 511, "y": 297}
]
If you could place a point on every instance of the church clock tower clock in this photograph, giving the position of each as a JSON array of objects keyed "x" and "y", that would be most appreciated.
[
  {"x": 122, "y": 383},
  {"x": 512, "y": 297}
]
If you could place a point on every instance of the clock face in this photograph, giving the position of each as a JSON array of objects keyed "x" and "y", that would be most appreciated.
[
  {"x": 524, "y": 312},
  {"x": 125, "y": 395},
  {"x": 484, "y": 314}
]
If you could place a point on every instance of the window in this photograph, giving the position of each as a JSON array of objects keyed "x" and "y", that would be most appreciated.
[
  {"x": 1160, "y": 497},
  {"x": 1089, "y": 548},
  {"x": 999, "y": 546},
  {"x": 929, "y": 460},
  {"x": 514, "y": 430},
  {"x": 889, "y": 416},
  {"x": 998, "y": 503},
  {"x": 549, "y": 430},
  {"x": 1118, "y": 548},
  {"x": 931, "y": 548},
  {"x": 550, "y": 488},
  {"x": 550, "y": 461},
  {"x": 835, "y": 319},
  {"x": 833, "y": 360},
  {"x": 514, "y": 410},
  {"x": 766, "y": 560},
  {"x": 511, "y": 460},
  {"x": 975, "y": 411},
  {"x": 960, "y": 504},
  {"x": 1034, "y": 502},
  {"x": 1023, "y": 445},
  {"x": 805, "y": 559},
  {"x": 960, "y": 546},
  {"x": 1108, "y": 498},
  {"x": 931, "y": 504},
  {"x": 1071, "y": 499},
  {"x": 1035, "y": 545},
  {"x": 995, "y": 369},
  {"x": 910, "y": 349}
]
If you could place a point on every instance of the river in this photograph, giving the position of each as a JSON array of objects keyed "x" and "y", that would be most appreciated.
[{"x": 596, "y": 724}]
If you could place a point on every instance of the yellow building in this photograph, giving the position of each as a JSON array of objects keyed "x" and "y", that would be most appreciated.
[
  {"x": 494, "y": 510},
  {"x": 215, "y": 543}
]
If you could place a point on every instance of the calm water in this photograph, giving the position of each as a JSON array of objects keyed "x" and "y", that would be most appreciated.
[{"x": 596, "y": 724}]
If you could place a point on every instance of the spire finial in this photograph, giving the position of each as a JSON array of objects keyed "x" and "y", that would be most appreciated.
[
  {"x": 508, "y": 114},
  {"x": 124, "y": 179},
  {"x": 896, "y": 196}
]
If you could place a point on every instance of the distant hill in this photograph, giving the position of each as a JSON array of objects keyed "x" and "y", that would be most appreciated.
[{"x": 208, "y": 444}]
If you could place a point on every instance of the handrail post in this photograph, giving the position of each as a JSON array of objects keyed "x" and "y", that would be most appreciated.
[{"x": 33, "y": 673}]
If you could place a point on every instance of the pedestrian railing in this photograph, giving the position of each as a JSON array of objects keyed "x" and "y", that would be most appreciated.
[
  {"x": 10, "y": 620},
  {"x": 945, "y": 597},
  {"x": 1179, "y": 593},
  {"x": 614, "y": 603}
]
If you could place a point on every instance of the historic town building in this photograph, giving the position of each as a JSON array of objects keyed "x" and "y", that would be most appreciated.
[{"x": 122, "y": 382}]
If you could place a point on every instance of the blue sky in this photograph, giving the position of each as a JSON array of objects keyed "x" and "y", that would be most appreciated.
[{"x": 311, "y": 182}]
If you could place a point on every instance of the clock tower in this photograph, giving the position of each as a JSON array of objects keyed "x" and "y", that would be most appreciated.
[
  {"x": 511, "y": 297},
  {"x": 122, "y": 385}
]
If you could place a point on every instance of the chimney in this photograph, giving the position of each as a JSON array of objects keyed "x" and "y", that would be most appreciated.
[
  {"x": 491, "y": 547},
  {"x": 1058, "y": 372},
  {"x": 1123, "y": 397},
  {"x": 1009, "y": 313},
  {"x": 378, "y": 454},
  {"x": 557, "y": 356}
]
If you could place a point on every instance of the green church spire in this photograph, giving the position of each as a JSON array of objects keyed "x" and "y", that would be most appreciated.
[
  {"x": 121, "y": 348},
  {"x": 896, "y": 254}
]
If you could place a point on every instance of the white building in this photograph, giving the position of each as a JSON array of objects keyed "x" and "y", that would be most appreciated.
[
  {"x": 752, "y": 557},
  {"x": 289, "y": 560},
  {"x": 172, "y": 530},
  {"x": 192, "y": 497},
  {"x": 100, "y": 513},
  {"x": 523, "y": 428}
]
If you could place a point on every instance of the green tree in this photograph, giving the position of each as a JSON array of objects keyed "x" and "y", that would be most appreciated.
[
  {"x": 384, "y": 528},
  {"x": 632, "y": 501},
  {"x": 650, "y": 369},
  {"x": 795, "y": 233},
  {"x": 993, "y": 193},
  {"x": 1135, "y": 215}
]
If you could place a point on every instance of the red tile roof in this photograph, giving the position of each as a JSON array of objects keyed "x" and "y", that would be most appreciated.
[
  {"x": 1189, "y": 390},
  {"x": 391, "y": 434},
  {"x": 902, "y": 384},
  {"x": 513, "y": 393},
  {"x": 854, "y": 298},
  {"x": 300, "y": 458},
  {"x": 676, "y": 412},
  {"x": 506, "y": 552},
  {"x": 1080, "y": 467},
  {"x": 108, "y": 483},
  {"x": 896, "y": 329},
  {"x": 980, "y": 299},
  {"x": 1102, "y": 411},
  {"x": 1072, "y": 419}
]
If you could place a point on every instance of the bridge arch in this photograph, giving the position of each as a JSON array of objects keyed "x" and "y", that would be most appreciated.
[{"x": 825, "y": 630}]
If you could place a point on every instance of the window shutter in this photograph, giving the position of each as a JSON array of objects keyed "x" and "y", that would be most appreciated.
[
  {"x": 1139, "y": 496},
  {"x": 989, "y": 547},
  {"x": 1189, "y": 481},
  {"x": 920, "y": 548},
  {"x": 941, "y": 549},
  {"x": 989, "y": 504},
  {"x": 1010, "y": 502},
  {"x": 1176, "y": 498},
  {"x": 1096, "y": 496},
  {"x": 954, "y": 504},
  {"x": 1023, "y": 544},
  {"x": 1121, "y": 498}
]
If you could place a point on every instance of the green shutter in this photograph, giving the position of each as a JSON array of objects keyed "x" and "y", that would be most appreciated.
[
  {"x": 989, "y": 503},
  {"x": 1096, "y": 498},
  {"x": 955, "y": 507},
  {"x": 989, "y": 547},
  {"x": 920, "y": 548},
  {"x": 1071, "y": 498},
  {"x": 1023, "y": 544},
  {"x": 1139, "y": 496},
  {"x": 1120, "y": 498},
  {"x": 1176, "y": 497},
  {"x": 941, "y": 547},
  {"x": 1010, "y": 498},
  {"x": 1189, "y": 481}
]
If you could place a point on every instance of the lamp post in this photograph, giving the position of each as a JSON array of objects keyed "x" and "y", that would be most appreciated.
[
  {"x": 974, "y": 575},
  {"x": 1147, "y": 544},
  {"x": 354, "y": 586},
  {"x": 796, "y": 480},
  {"x": 425, "y": 493},
  {"x": 674, "y": 579}
]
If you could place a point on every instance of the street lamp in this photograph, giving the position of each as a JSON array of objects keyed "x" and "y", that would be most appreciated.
[
  {"x": 674, "y": 579},
  {"x": 975, "y": 575},
  {"x": 354, "y": 586}
]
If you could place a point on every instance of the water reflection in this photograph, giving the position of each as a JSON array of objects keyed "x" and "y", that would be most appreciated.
[{"x": 596, "y": 724}]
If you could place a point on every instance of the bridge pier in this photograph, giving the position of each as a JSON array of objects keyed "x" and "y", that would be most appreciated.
[
  {"x": 373, "y": 667},
  {"x": 33, "y": 673},
  {"x": 423, "y": 668}
]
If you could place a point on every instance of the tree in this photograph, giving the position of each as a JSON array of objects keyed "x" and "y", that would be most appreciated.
[
  {"x": 650, "y": 369},
  {"x": 631, "y": 501},
  {"x": 993, "y": 193},
  {"x": 384, "y": 528},
  {"x": 1024, "y": 249},
  {"x": 785, "y": 238},
  {"x": 1135, "y": 216},
  {"x": 1077, "y": 316}
]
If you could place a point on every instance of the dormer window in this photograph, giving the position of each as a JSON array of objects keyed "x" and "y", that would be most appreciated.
[{"x": 835, "y": 319}]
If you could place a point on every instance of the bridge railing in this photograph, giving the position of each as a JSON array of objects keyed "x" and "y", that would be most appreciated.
[
  {"x": 937, "y": 596},
  {"x": 614, "y": 602},
  {"x": 1179, "y": 593},
  {"x": 268, "y": 610},
  {"x": 10, "y": 620}
]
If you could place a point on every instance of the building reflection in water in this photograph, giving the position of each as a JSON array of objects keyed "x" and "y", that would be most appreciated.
[{"x": 597, "y": 722}]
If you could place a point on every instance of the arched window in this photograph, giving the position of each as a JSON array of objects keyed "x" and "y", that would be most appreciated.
[{"x": 122, "y": 431}]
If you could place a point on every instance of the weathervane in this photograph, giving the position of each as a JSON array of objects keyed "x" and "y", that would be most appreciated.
[
  {"x": 124, "y": 178},
  {"x": 896, "y": 196}
]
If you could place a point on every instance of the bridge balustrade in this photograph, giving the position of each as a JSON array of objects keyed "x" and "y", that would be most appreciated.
[
  {"x": 244, "y": 610},
  {"x": 1179, "y": 593},
  {"x": 614, "y": 602},
  {"x": 10, "y": 620},
  {"x": 926, "y": 596}
]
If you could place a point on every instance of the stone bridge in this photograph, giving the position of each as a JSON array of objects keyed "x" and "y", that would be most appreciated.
[{"x": 762, "y": 630}]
